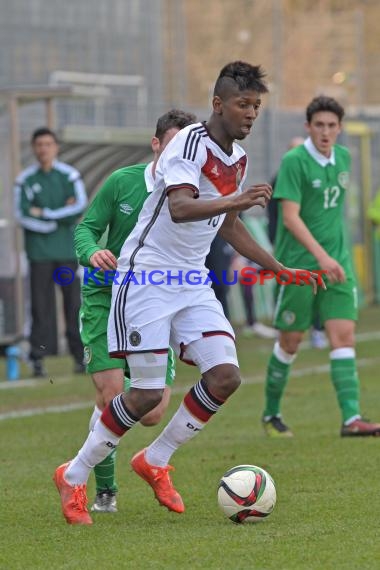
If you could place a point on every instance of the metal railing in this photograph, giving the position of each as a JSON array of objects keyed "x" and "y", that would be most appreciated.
[{"x": 111, "y": 100}]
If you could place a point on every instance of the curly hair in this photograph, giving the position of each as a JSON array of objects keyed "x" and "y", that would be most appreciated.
[{"x": 174, "y": 118}]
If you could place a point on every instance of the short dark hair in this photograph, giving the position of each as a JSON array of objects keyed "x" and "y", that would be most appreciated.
[
  {"x": 324, "y": 103},
  {"x": 241, "y": 76},
  {"x": 42, "y": 131},
  {"x": 173, "y": 119}
]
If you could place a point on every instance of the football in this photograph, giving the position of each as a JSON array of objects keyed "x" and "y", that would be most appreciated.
[{"x": 246, "y": 493}]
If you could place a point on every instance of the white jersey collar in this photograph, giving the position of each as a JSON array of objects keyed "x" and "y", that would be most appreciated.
[
  {"x": 148, "y": 175},
  {"x": 319, "y": 157}
]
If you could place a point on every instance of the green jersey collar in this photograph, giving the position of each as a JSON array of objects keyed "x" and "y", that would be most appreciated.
[{"x": 318, "y": 157}]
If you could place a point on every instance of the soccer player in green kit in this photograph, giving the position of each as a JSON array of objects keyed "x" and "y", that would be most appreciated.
[
  {"x": 311, "y": 187},
  {"x": 116, "y": 206}
]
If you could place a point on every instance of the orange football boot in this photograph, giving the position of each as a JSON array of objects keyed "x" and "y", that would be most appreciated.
[
  {"x": 159, "y": 479},
  {"x": 73, "y": 498}
]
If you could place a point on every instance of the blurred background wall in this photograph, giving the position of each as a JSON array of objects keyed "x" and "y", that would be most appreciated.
[{"x": 178, "y": 47}]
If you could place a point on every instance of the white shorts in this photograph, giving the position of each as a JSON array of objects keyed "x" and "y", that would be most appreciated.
[{"x": 149, "y": 318}]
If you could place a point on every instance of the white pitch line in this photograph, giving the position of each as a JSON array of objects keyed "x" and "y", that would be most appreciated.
[
  {"x": 27, "y": 413},
  {"x": 259, "y": 379},
  {"x": 33, "y": 382},
  {"x": 318, "y": 369},
  {"x": 26, "y": 383}
]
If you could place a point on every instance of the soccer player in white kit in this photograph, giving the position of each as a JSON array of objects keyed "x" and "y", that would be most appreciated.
[{"x": 162, "y": 295}]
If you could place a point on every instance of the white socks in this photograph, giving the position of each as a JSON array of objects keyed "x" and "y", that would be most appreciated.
[
  {"x": 181, "y": 428},
  {"x": 98, "y": 445},
  {"x": 283, "y": 356},
  {"x": 95, "y": 416}
]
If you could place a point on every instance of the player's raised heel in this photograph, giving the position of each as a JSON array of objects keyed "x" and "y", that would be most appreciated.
[
  {"x": 360, "y": 428},
  {"x": 159, "y": 479},
  {"x": 73, "y": 498}
]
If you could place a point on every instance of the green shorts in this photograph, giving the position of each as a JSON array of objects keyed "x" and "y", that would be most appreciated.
[
  {"x": 297, "y": 307},
  {"x": 93, "y": 316}
]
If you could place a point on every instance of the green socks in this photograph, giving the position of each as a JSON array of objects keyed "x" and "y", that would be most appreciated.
[
  {"x": 276, "y": 380},
  {"x": 105, "y": 474},
  {"x": 346, "y": 382},
  {"x": 343, "y": 375}
]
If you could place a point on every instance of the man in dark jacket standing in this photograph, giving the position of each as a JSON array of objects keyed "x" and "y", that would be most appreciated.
[{"x": 49, "y": 196}]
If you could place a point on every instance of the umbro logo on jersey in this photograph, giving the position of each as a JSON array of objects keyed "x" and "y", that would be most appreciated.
[
  {"x": 126, "y": 209},
  {"x": 316, "y": 183}
]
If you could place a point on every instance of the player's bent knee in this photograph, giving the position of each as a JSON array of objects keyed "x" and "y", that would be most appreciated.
[
  {"x": 108, "y": 384},
  {"x": 289, "y": 342},
  {"x": 233, "y": 380},
  {"x": 141, "y": 402},
  {"x": 229, "y": 383},
  {"x": 109, "y": 393},
  {"x": 223, "y": 380},
  {"x": 153, "y": 417},
  {"x": 153, "y": 398},
  {"x": 342, "y": 339}
]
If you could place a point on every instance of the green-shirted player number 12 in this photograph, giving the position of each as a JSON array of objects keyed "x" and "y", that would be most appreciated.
[{"x": 331, "y": 196}]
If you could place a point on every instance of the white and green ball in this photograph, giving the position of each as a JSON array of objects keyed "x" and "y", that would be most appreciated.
[{"x": 246, "y": 493}]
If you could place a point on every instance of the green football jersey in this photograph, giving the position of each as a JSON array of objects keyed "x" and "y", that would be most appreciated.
[
  {"x": 61, "y": 195},
  {"x": 115, "y": 209},
  {"x": 319, "y": 186}
]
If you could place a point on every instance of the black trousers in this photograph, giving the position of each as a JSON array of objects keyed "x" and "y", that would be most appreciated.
[
  {"x": 249, "y": 303},
  {"x": 44, "y": 337},
  {"x": 218, "y": 261}
]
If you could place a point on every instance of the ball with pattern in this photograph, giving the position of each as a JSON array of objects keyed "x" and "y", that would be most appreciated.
[{"x": 246, "y": 493}]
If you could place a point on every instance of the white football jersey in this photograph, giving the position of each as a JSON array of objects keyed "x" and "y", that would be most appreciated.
[{"x": 194, "y": 160}]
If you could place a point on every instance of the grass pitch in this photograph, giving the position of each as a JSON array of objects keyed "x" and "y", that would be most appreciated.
[{"x": 328, "y": 488}]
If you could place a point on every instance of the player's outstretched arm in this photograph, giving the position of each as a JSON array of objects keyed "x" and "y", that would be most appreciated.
[
  {"x": 235, "y": 233},
  {"x": 304, "y": 277},
  {"x": 183, "y": 206},
  {"x": 296, "y": 226}
]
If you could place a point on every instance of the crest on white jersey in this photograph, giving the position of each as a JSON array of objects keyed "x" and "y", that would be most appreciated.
[
  {"x": 135, "y": 338},
  {"x": 195, "y": 161}
]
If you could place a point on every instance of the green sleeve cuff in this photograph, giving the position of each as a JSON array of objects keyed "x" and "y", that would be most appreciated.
[{"x": 85, "y": 258}]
